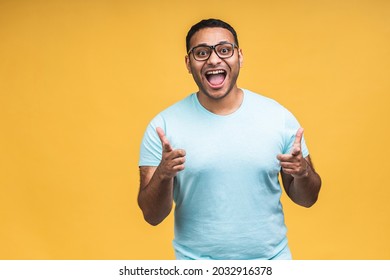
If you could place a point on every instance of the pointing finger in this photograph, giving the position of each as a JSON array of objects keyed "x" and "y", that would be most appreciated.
[
  {"x": 164, "y": 141},
  {"x": 298, "y": 136},
  {"x": 296, "y": 150}
]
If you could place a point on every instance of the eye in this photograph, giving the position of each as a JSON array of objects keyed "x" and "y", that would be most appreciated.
[
  {"x": 225, "y": 50},
  {"x": 201, "y": 52}
]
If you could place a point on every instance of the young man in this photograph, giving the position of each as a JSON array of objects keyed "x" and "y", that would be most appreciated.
[{"x": 218, "y": 153}]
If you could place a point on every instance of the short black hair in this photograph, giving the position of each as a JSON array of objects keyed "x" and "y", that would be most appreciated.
[{"x": 209, "y": 23}]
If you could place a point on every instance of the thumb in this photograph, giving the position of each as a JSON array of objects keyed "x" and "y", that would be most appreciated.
[{"x": 164, "y": 141}]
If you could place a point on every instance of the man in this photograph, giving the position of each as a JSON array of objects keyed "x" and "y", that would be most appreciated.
[{"x": 218, "y": 153}]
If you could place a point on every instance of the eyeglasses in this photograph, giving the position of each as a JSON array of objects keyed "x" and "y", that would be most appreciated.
[{"x": 203, "y": 52}]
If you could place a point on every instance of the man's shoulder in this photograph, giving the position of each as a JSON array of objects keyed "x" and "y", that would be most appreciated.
[
  {"x": 179, "y": 106},
  {"x": 175, "y": 111},
  {"x": 259, "y": 99}
]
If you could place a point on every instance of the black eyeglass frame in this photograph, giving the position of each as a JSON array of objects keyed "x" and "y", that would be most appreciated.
[{"x": 213, "y": 48}]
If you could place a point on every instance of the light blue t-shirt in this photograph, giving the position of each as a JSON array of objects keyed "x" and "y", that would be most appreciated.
[{"x": 228, "y": 196}]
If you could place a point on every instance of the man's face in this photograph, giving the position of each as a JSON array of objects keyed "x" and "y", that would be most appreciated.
[{"x": 215, "y": 77}]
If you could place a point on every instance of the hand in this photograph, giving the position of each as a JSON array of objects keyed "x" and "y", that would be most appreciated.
[
  {"x": 172, "y": 161},
  {"x": 294, "y": 163}
]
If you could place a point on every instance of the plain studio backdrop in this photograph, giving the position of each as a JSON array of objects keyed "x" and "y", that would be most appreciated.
[{"x": 80, "y": 80}]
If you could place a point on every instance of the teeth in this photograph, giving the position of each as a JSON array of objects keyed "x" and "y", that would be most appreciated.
[{"x": 215, "y": 72}]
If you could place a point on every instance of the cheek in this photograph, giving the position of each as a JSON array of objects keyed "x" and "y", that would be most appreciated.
[
  {"x": 192, "y": 69},
  {"x": 196, "y": 71}
]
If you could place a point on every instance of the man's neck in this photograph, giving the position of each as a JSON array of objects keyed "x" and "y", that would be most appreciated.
[{"x": 223, "y": 106}]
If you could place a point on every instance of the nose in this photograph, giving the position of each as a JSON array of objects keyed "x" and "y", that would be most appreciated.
[{"x": 214, "y": 58}]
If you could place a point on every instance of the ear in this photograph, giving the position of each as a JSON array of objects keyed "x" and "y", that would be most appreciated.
[
  {"x": 187, "y": 60},
  {"x": 240, "y": 57}
]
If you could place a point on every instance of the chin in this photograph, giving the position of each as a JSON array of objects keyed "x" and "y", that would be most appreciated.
[
  {"x": 219, "y": 95},
  {"x": 215, "y": 95}
]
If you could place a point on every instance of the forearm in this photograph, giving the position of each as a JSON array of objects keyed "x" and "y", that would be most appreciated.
[
  {"x": 156, "y": 198},
  {"x": 304, "y": 190}
]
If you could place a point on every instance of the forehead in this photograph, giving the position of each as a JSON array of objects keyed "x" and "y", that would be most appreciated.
[{"x": 211, "y": 36}]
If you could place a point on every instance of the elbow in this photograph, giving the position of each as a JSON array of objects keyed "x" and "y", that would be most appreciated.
[
  {"x": 155, "y": 207},
  {"x": 309, "y": 201},
  {"x": 152, "y": 220},
  {"x": 154, "y": 216},
  {"x": 150, "y": 217},
  {"x": 313, "y": 197},
  {"x": 308, "y": 204},
  {"x": 147, "y": 213}
]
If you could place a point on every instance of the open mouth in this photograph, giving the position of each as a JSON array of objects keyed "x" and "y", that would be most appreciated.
[{"x": 216, "y": 77}]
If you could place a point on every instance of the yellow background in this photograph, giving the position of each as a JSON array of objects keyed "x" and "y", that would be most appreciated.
[{"x": 80, "y": 80}]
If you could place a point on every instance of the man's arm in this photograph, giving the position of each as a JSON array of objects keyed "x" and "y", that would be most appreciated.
[
  {"x": 303, "y": 190},
  {"x": 300, "y": 180},
  {"x": 155, "y": 197}
]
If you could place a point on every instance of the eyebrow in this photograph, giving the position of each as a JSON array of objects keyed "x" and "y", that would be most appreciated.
[{"x": 206, "y": 45}]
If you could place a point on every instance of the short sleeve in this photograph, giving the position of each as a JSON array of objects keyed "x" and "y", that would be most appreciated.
[
  {"x": 291, "y": 127},
  {"x": 151, "y": 148}
]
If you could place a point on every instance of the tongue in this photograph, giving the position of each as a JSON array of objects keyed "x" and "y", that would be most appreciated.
[{"x": 216, "y": 79}]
